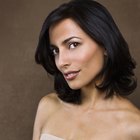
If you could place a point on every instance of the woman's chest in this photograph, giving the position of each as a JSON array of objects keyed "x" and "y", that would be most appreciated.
[{"x": 88, "y": 126}]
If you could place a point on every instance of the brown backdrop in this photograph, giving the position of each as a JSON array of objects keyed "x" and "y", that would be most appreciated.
[{"x": 22, "y": 82}]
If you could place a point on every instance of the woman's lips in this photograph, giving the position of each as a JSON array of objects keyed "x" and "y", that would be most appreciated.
[{"x": 71, "y": 75}]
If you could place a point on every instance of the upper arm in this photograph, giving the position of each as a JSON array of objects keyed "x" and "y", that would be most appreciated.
[
  {"x": 39, "y": 120},
  {"x": 43, "y": 111},
  {"x": 42, "y": 114}
]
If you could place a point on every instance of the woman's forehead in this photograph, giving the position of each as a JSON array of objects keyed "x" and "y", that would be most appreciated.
[{"x": 65, "y": 29}]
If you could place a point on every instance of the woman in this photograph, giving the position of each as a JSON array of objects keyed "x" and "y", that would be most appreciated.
[{"x": 81, "y": 46}]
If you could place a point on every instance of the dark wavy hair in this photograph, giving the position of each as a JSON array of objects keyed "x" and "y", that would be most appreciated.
[{"x": 95, "y": 20}]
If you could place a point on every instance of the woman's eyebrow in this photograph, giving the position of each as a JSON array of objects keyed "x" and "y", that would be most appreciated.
[
  {"x": 68, "y": 39},
  {"x": 52, "y": 46},
  {"x": 65, "y": 41}
]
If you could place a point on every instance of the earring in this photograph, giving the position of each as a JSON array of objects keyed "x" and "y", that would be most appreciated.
[{"x": 105, "y": 53}]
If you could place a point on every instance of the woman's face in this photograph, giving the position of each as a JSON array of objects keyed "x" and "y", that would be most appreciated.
[{"x": 78, "y": 57}]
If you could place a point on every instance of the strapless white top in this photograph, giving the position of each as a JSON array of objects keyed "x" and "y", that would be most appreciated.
[{"x": 46, "y": 136}]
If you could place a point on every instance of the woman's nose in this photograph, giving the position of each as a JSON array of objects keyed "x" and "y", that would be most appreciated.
[{"x": 63, "y": 60}]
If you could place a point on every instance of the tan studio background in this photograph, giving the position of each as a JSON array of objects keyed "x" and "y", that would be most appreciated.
[{"x": 22, "y": 82}]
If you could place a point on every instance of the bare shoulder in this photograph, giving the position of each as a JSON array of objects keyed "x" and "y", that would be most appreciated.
[
  {"x": 47, "y": 105},
  {"x": 132, "y": 125},
  {"x": 49, "y": 100},
  {"x": 131, "y": 121}
]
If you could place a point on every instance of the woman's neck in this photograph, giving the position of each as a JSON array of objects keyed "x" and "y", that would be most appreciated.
[{"x": 91, "y": 97}]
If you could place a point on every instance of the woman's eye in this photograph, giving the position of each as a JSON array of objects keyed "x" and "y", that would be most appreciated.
[
  {"x": 73, "y": 45},
  {"x": 55, "y": 51}
]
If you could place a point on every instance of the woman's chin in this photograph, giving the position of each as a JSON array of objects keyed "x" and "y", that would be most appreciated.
[{"x": 74, "y": 86}]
